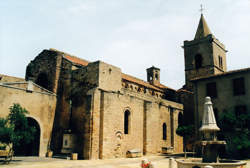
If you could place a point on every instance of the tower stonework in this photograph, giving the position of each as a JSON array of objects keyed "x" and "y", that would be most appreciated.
[
  {"x": 204, "y": 55},
  {"x": 153, "y": 75}
]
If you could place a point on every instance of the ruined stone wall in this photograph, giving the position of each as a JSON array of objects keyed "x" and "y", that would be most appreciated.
[
  {"x": 47, "y": 63},
  {"x": 40, "y": 105},
  {"x": 58, "y": 71},
  {"x": 62, "y": 118}
]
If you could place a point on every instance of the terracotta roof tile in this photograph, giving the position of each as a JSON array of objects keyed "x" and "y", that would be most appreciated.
[
  {"x": 184, "y": 90},
  {"x": 76, "y": 60},
  {"x": 139, "y": 81}
]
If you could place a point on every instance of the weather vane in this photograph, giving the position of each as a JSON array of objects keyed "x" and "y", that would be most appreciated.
[{"x": 202, "y": 9}]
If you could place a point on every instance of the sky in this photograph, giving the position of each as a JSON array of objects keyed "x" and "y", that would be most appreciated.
[{"x": 130, "y": 34}]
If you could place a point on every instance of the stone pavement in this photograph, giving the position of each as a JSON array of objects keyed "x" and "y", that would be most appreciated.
[{"x": 42, "y": 162}]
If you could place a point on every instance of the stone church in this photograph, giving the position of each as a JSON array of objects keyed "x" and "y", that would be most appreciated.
[{"x": 95, "y": 110}]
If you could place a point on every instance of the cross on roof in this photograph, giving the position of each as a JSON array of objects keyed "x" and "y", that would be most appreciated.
[{"x": 202, "y": 9}]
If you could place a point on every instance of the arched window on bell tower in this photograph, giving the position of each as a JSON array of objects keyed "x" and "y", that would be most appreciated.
[{"x": 198, "y": 61}]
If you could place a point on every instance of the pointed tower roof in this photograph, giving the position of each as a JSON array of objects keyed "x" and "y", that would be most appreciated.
[{"x": 203, "y": 29}]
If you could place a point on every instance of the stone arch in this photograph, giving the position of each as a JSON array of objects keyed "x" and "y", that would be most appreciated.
[
  {"x": 198, "y": 61},
  {"x": 43, "y": 80},
  {"x": 156, "y": 76},
  {"x": 33, "y": 147}
]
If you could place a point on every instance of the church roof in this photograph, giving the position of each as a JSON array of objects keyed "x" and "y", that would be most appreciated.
[
  {"x": 76, "y": 60},
  {"x": 129, "y": 78},
  {"x": 141, "y": 82},
  {"x": 203, "y": 29}
]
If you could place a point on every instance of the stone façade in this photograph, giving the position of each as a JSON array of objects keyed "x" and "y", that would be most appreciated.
[{"x": 100, "y": 94}]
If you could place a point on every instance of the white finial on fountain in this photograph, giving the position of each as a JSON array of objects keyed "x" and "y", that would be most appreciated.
[{"x": 208, "y": 120}]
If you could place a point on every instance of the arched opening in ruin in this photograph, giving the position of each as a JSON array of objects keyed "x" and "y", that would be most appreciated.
[
  {"x": 31, "y": 148},
  {"x": 43, "y": 81}
]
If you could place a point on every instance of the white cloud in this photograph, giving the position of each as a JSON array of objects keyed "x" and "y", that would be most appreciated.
[{"x": 80, "y": 7}]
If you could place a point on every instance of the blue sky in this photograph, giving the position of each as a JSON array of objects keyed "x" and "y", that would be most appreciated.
[{"x": 130, "y": 34}]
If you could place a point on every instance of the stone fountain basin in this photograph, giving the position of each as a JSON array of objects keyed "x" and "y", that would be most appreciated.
[{"x": 196, "y": 162}]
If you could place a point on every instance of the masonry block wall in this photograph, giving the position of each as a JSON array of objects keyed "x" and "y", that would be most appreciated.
[{"x": 43, "y": 112}]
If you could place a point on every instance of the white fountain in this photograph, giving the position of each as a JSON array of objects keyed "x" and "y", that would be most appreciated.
[{"x": 210, "y": 144}]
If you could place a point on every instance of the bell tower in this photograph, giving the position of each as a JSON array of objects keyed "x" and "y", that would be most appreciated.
[
  {"x": 204, "y": 55},
  {"x": 153, "y": 75}
]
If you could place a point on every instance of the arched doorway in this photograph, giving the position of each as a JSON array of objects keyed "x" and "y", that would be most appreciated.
[{"x": 31, "y": 148}]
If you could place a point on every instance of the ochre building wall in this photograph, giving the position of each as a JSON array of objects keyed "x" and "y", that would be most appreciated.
[{"x": 40, "y": 105}]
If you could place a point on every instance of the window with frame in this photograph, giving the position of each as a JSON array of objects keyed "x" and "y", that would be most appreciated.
[
  {"x": 238, "y": 86},
  {"x": 211, "y": 89}
]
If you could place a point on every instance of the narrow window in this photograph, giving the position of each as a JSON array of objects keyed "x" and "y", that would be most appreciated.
[
  {"x": 126, "y": 121},
  {"x": 65, "y": 142},
  {"x": 198, "y": 61},
  {"x": 239, "y": 86},
  {"x": 156, "y": 76},
  {"x": 164, "y": 131},
  {"x": 220, "y": 62},
  {"x": 211, "y": 90}
]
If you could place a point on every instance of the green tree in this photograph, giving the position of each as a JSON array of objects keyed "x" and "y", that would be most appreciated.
[
  {"x": 236, "y": 132},
  {"x": 15, "y": 130},
  {"x": 186, "y": 131}
]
